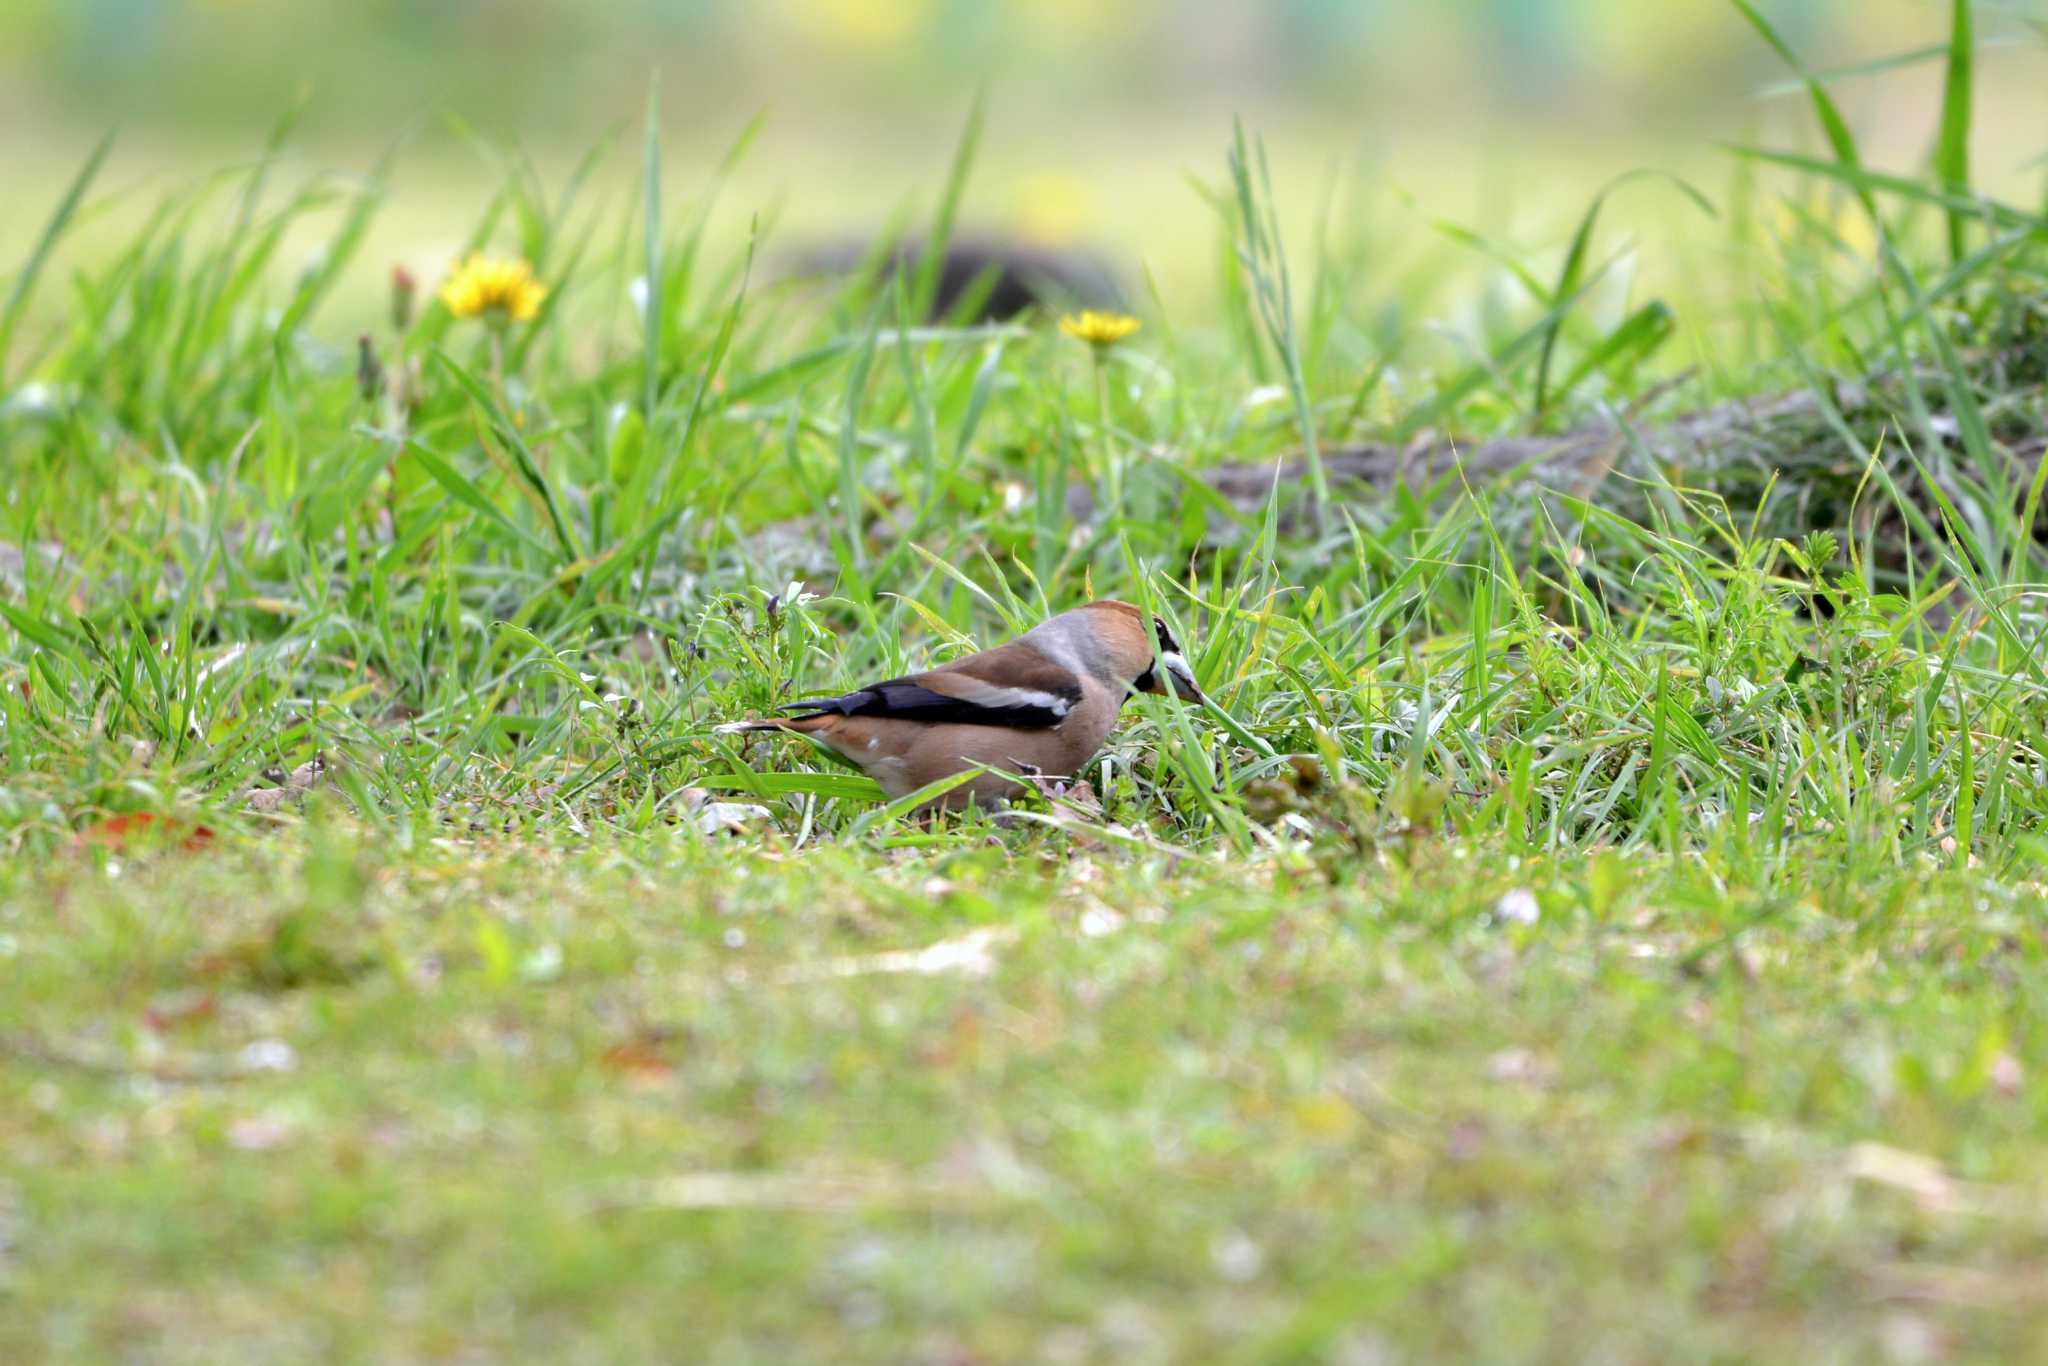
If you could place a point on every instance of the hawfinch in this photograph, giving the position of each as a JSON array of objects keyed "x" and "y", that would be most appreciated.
[{"x": 1042, "y": 704}]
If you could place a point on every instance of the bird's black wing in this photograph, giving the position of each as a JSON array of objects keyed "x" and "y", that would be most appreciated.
[{"x": 906, "y": 699}]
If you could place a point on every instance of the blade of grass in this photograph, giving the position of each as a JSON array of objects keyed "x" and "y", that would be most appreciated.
[
  {"x": 650, "y": 303},
  {"x": 1836, "y": 129},
  {"x": 1952, "y": 147},
  {"x": 39, "y": 255},
  {"x": 881, "y": 816},
  {"x": 1865, "y": 183},
  {"x": 933, "y": 259},
  {"x": 340, "y": 249},
  {"x": 508, "y": 431},
  {"x": 464, "y": 491},
  {"x": 1570, "y": 278},
  {"x": 1264, "y": 260}
]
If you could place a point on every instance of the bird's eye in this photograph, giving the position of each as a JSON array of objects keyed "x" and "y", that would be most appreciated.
[{"x": 1167, "y": 644}]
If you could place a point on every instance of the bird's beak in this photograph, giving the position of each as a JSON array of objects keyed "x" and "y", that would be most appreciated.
[{"x": 1183, "y": 677}]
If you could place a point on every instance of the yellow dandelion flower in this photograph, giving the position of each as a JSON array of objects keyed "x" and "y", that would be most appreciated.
[
  {"x": 1099, "y": 329},
  {"x": 499, "y": 285}
]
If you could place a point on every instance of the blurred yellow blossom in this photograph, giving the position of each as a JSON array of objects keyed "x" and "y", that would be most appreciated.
[
  {"x": 1052, "y": 207},
  {"x": 1099, "y": 329},
  {"x": 1832, "y": 218},
  {"x": 879, "y": 26},
  {"x": 488, "y": 284}
]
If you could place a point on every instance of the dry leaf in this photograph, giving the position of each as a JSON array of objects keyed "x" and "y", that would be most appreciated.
[
  {"x": 1076, "y": 797},
  {"x": 971, "y": 955},
  {"x": 719, "y": 818},
  {"x": 180, "y": 1010},
  {"x": 1917, "y": 1174},
  {"x": 259, "y": 1133},
  {"x": 807, "y": 1191},
  {"x": 1931, "y": 1187},
  {"x": 117, "y": 832},
  {"x": 2005, "y": 1288},
  {"x": 297, "y": 783},
  {"x": 1519, "y": 1064},
  {"x": 640, "y": 1058}
]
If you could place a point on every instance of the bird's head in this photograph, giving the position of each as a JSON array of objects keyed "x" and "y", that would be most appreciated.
[{"x": 1147, "y": 656}]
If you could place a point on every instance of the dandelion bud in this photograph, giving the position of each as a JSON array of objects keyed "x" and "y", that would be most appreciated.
[
  {"x": 369, "y": 370},
  {"x": 403, "y": 288}
]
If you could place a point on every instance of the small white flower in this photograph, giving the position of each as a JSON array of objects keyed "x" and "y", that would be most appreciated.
[
  {"x": 544, "y": 964},
  {"x": 269, "y": 1055},
  {"x": 1237, "y": 1257},
  {"x": 637, "y": 292},
  {"x": 1518, "y": 906},
  {"x": 1099, "y": 920},
  {"x": 34, "y": 399},
  {"x": 259, "y": 1133}
]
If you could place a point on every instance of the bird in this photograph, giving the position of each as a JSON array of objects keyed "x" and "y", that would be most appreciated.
[
  {"x": 1040, "y": 705},
  {"x": 997, "y": 277}
]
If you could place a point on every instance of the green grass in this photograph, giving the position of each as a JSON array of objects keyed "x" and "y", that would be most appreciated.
[{"x": 1603, "y": 919}]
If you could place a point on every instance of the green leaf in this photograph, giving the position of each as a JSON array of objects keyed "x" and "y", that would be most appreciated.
[
  {"x": 38, "y": 632},
  {"x": 1639, "y": 336},
  {"x": 626, "y": 449},
  {"x": 839, "y": 786}
]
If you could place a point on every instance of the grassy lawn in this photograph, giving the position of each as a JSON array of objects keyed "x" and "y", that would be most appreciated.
[
  {"x": 1600, "y": 917},
  {"x": 642, "y": 1099}
]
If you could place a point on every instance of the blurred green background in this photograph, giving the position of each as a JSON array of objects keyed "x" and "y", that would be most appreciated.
[{"x": 1503, "y": 114}]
